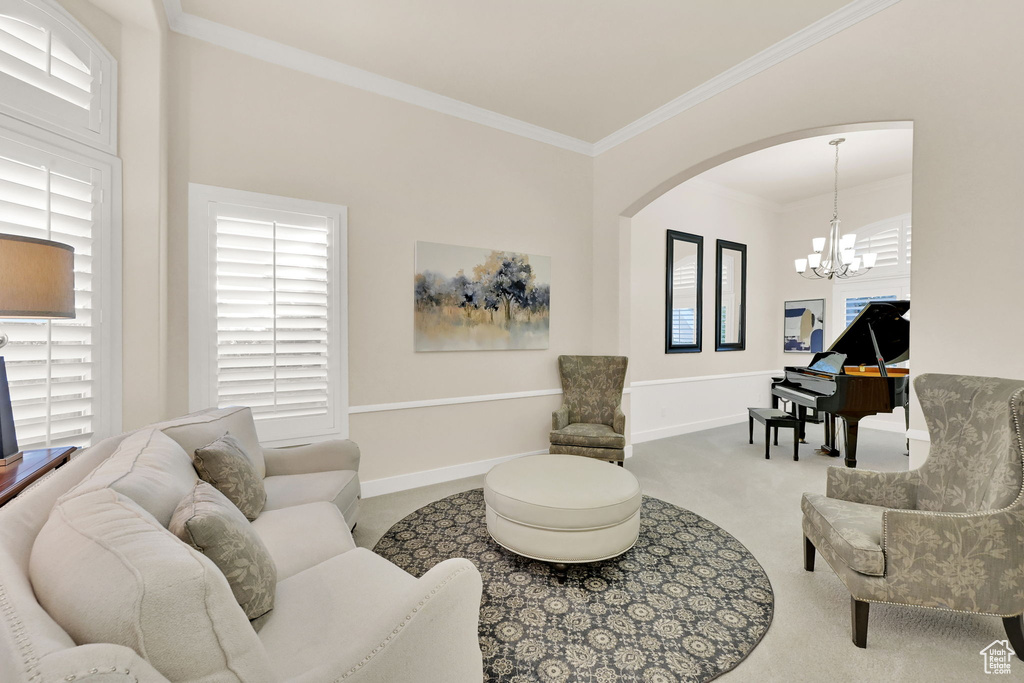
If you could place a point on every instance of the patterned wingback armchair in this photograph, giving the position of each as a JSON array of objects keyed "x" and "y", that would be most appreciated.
[
  {"x": 590, "y": 421},
  {"x": 948, "y": 535}
]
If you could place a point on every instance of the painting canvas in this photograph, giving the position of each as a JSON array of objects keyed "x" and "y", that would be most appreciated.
[
  {"x": 471, "y": 299},
  {"x": 804, "y": 330}
]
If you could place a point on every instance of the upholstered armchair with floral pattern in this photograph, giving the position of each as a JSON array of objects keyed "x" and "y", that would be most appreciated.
[
  {"x": 948, "y": 535},
  {"x": 591, "y": 422}
]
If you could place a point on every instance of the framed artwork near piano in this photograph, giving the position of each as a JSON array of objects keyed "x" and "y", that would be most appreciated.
[{"x": 803, "y": 329}]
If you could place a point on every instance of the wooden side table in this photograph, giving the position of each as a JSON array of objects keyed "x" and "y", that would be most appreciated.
[{"x": 17, "y": 476}]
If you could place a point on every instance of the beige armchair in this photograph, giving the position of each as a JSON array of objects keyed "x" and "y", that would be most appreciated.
[
  {"x": 591, "y": 422},
  {"x": 947, "y": 535}
]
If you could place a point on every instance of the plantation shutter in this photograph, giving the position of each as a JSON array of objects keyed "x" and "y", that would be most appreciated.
[
  {"x": 272, "y": 303},
  {"x": 34, "y": 56},
  {"x": 50, "y": 364},
  {"x": 885, "y": 243}
]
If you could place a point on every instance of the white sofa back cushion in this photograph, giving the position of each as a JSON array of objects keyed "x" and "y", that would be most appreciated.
[
  {"x": 203, "y": 428},
  {"x": 107, "y": 572},
  {"x": 148, "y": 467}
]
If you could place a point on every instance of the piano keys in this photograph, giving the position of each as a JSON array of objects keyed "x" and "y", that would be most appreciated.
[{"x": 851, "y": 379}]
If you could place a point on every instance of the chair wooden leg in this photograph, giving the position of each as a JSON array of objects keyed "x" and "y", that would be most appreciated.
[
  {"x": 808, "y": 554},
  {"x": 1014, "y": 627},
  {"x": 859, "y": 617}
]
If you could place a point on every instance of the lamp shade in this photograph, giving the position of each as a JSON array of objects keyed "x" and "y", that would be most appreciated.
[{"x": 37, "y": 278}]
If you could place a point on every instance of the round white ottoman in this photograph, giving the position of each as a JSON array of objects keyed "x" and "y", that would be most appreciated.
[{"x": 563, "y": 509}]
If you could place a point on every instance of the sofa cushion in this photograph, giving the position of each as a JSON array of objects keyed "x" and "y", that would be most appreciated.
[
  {"x": 108, "y": 572},
  {"x": 854, "y": 530},
  {"x": 592, "y": 435},
  {"x": 225, "y": 464},
  {"x": 302, "y": 536},
  {"x": 319, "y": 616},
  {"x": 206, "y": 426},
  {"x": 147, "y": 467},
  {"x": 211, "y": 524},
  {"x": 340, "y": 487}
]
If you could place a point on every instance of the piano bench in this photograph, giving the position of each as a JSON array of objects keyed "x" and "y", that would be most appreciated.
[{"x": 773, "y": 418}]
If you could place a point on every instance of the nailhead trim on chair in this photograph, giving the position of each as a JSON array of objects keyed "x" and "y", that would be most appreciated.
[
  {"x": 398, "y": 629},
  {"x": 1014, "y": 409}
]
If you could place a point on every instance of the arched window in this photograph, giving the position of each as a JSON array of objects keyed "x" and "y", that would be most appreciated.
[
  {"x": 54, "y": 74},
  {"x": 60, "y": 181}
]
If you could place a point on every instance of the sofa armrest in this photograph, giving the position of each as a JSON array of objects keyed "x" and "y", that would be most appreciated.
[
  {"x": 560, "y": 418},
  {"x": 325, "y": 456},
  {"x": 886, "y": 489},
  {"x": 965, "y": 562},
  {"x": 619, "y": 421},
  {"x": 427, "y": 632}
]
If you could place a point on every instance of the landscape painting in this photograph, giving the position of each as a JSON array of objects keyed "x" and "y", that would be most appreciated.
[
  {"x": 804, "y": 328},
  {"x": 471, "y": 299}
]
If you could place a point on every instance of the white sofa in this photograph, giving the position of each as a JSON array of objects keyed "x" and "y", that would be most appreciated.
[{"x": 341, "y": 613}]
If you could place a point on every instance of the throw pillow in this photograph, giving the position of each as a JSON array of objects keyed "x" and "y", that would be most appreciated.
[
  {"x": 210, "y": 523},
  {"x": 225, "y": 464},
  {"x": 108, "y": 572}
]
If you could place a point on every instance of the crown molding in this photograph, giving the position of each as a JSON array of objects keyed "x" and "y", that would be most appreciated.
[
  {"x": 332, "y": 70},
  {"x": 899, "y": 181},
  {"x": 825, "y": 27}
]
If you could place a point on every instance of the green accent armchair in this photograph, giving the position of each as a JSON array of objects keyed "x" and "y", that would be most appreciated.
[
  {"x": 948, "y": 535},
  {"x": 591, "y": 422}
]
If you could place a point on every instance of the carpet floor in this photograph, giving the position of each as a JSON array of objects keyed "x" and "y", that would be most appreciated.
[{"x": 717, "y": 475}]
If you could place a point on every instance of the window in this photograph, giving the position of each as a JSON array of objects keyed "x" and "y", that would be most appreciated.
[
  {"x": 59, "y": 181},
  {"x": 856, "y": 304},
  {"x": 890, "y": 240},
  {"x": 64, "y": 375},
  {"x": 55, "y": 75},
  {"x": 266, "y": 312}
]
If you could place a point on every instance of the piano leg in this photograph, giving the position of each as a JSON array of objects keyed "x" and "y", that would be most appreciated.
[
  {"x": 851, "y": 424},
  {"x": 802, "y": 417},
  {"x": 829, "y": 447}
]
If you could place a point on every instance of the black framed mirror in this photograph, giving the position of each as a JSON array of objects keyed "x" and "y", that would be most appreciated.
[
  {"x": 730, "y": 296},
  {"x": 684, "y": 275}
]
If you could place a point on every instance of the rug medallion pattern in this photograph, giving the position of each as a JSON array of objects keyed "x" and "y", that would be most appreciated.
[{"x": 687, "y": 603}]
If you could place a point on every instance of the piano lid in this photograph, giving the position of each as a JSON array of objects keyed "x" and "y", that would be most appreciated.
[{"x": 891, "y": 329}]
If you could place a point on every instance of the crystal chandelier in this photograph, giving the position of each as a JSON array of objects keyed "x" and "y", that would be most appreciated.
[{"x": 835, "y": 256}]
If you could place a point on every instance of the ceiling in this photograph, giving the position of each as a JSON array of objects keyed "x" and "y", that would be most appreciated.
[
  {"x": 584, "y": 68},
  {"x": 805, "y": 168}
]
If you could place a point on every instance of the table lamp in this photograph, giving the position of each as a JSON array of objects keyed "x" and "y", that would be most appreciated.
[{"x": 37, "y": 281}]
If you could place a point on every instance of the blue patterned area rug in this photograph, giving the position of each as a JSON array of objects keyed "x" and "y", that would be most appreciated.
[{"x": 687, "y": 603}]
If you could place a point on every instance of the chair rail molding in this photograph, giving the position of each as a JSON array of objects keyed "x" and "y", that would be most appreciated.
[{"x": 323, "y": 67}]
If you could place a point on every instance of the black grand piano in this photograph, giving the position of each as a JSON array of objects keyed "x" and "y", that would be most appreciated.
[{"x": 851, "y": 379}]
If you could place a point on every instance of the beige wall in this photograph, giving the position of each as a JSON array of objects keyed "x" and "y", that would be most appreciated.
[
  {"x": 947, "y": 66},
  {"x": 405, "y": 174},
  {"x": 136, "y": 34},
  {"x": 702, "y": 209}
]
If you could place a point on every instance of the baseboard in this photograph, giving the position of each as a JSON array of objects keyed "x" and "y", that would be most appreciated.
[
  {"x": 676, "y": 430},
  {"x": 413, "y": 480}
]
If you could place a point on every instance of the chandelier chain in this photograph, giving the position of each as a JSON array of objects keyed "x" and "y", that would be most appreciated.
[{"x": 835, "y": 188}]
